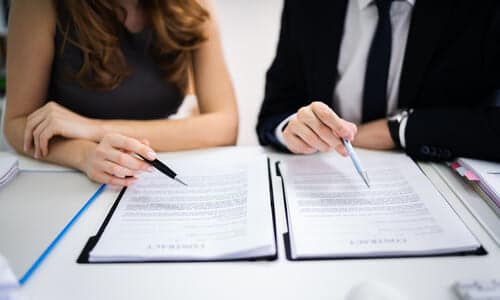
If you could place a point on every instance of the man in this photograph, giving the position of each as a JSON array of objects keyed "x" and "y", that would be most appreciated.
[{"x": 418, "y": 75}]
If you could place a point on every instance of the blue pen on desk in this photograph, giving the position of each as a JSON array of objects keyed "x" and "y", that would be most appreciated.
[{"x": 356, "y": 162}]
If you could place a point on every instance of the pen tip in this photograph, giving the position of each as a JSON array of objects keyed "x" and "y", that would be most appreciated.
[
  {"x": 180, "y": 181},
  {"x": 366, "y": 180}
]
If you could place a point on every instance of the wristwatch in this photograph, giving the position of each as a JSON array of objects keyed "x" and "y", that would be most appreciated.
[{"x": 397, "y": 125}]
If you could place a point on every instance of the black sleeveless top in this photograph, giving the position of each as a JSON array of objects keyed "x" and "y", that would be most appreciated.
[{"x": 142, "y": 95}]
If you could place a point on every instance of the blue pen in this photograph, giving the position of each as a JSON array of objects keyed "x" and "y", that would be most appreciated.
[
  {"x": 61, "y": 234},
  {"x": 356, "y": 162}
]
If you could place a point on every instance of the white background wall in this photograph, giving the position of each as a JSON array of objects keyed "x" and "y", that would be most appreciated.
[{"x": 249, "y": 30}]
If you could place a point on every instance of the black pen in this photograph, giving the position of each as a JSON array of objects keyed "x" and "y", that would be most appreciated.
[{"x": 163, "y": 168}]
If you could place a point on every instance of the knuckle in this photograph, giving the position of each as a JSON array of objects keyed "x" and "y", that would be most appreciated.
[
  {"x": 323, "y": 113},
  {"x": 292, "y": 124},
  {"x": 52, "y": 105},
  {"x": 317, "y": 105},
  {"x": 99, "y": 150},
  {"x": 116, "y": 170},
  {"x": 286, "y": 133},
  {"x": 92, "y": 174},
  {"x": 122, "y": 159},
  {"x": 128, "y": 144},
  {"x": 302, "y": 111}
]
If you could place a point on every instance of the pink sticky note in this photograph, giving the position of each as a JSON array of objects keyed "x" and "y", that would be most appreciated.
[
  {"x": 471, "y": 176},
  {"x": 455, "y": 165}
]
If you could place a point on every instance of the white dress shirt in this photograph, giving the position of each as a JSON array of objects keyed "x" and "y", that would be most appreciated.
[{"x": 359, "y": 29}]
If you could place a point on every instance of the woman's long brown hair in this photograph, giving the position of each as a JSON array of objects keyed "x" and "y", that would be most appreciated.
[{"x": 94, "y": 26}]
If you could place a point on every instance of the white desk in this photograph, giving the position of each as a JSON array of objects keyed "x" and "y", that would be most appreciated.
[{"x": 60, "y": 277}]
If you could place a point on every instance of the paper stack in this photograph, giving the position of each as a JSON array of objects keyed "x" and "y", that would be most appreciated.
[
  {"x": 484, "y": 176},
  {"x": 7, "y": 279},
  {"x": 8, "y": 169}
]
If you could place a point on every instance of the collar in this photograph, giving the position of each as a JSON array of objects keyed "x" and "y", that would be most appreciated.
[{"x": 362, "y": 4}]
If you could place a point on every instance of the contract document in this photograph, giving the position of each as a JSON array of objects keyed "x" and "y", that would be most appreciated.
[
  {"x": 223, "y": 214},
  {"x": 332, "y": 213}
]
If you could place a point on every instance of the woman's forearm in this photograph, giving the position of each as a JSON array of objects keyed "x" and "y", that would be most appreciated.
[
  {"x": 68, "y": 152},
  {"x": 205, "y": 130}
]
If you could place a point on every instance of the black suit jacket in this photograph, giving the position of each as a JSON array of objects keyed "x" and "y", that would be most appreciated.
[{"x": 450, "y": 76}]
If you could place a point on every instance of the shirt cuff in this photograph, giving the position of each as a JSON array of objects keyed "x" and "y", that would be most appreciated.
[
  {"x": 278, "y": 132},
  {"x": 402, "y": 132}
]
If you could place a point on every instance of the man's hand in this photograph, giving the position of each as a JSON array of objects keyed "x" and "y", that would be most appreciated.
[
  {"x": 374, "y": 135},
  {"x": 54, "y": 120},
  {"x": 317, "y": 127}
]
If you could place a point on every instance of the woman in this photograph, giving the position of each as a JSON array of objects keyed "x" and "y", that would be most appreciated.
[{"x": 91, "y": 82}]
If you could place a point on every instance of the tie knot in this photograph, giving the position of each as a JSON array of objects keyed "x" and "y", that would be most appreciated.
[{"x": 383, "y": 6}]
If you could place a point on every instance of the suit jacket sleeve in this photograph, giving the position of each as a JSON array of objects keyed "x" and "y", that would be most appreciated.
[
  {"x": 284, "y": 91},
  {"x": 445, "y": 133}
]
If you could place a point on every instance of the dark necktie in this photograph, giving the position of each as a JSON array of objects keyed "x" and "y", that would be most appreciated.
[{"x": 377, "y": 66}]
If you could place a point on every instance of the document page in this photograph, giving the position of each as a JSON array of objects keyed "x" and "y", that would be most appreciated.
[
  {"x": 8, "y": 280},
  {"x": 223, "y": 213},
  {"x": 332, "y": 213},
  {"x": 8, "y": 169}
]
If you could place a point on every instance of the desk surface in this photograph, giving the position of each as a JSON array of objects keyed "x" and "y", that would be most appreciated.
[{"x": 60, "y": 277}]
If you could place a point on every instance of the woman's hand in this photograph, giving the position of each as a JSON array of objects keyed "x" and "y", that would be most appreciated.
[
  {"x": 54, "y": 120},
  {"x": 316, "y": 127},
  {"x": 112, "y": 161}
]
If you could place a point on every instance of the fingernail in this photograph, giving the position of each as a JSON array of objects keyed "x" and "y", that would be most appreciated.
[{"x": 151, "y": 155}]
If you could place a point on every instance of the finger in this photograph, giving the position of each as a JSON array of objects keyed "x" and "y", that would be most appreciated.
[
  {"x": 116, "y": 170},
  {"x": 133, "y": 145},
  {"x": 339, "y": 126},
  {"x": 126, "y": 160},
  {"x": 307, "y": 116},
  {"x": 306, "y": 134},
  {"x": 36, "y": 136},
  {"x": 297, "y": 145},
  {"x": 146, "y": 142},
  {"x": 347, "y": 130},
  {"x": 102, "y": 177},
  {"x": 32, "y": 122},
  {"x": 47, "y": 133},
  {"x": 341, "y": 150}
]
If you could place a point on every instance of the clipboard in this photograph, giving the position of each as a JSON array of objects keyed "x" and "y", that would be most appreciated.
[
  {"x": 83, "y": 258},
  {"x": 288, "y": 252}
]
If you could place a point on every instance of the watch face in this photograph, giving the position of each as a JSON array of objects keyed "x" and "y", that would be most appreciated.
[
  {"x": 398, "y": 115},
  {"x": 392, "y": 118}
]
